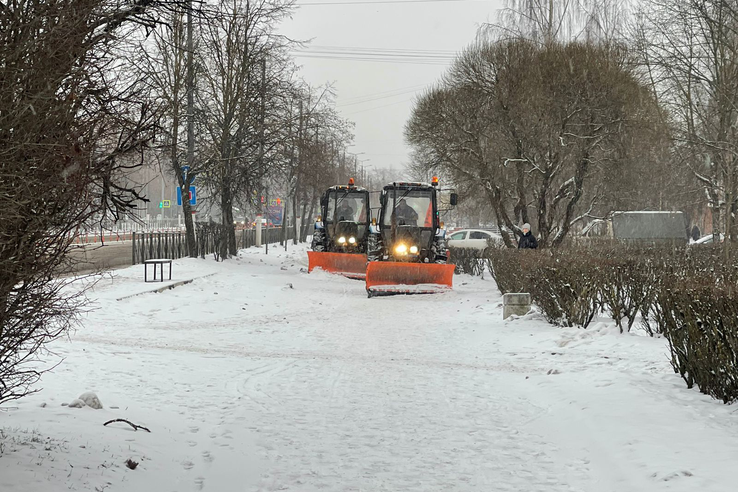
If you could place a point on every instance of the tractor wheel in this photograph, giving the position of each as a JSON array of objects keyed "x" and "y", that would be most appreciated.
[
  {"x": 439, "y": 251},
  {"x": 374, "y": 247},
  {"x": 318, "y": 243}
]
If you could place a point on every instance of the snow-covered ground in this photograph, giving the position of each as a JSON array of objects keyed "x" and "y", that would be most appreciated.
[{"x": 258, "y": 376}]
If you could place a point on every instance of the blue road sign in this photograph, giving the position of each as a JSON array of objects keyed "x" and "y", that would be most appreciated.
[
  {"x": 193, "y": 196},
  {"x": 185, "y": 172}
]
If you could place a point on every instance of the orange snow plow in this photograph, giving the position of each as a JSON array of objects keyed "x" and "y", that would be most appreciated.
[
  {"x": 390, "y": 277},
  {"x": 347, "y": 264}
]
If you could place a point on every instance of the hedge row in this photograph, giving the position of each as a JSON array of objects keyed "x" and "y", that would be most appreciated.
[{"x": 688, "y": 295}]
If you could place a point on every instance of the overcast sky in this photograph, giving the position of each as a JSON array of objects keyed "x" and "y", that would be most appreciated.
[{"x": 416, "y": 39}]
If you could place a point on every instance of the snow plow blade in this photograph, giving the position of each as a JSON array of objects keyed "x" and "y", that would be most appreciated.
[
  {"x": 387, "y": 278},
  {"x": 348, "y": 265}
]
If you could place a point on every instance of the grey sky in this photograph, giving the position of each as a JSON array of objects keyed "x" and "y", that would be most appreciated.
[{"x": 378, "y": 97}]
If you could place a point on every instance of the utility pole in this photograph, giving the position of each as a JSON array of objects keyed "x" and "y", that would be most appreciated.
[
  {"x": 266, "y": 200},
  {"x": 187, "y": 179},
  {"x": 295, "y": 229},
  {"x": 262, "y": 117}
]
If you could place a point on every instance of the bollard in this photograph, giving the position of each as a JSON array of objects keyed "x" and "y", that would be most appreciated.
[{"x": 517, "y": 304}]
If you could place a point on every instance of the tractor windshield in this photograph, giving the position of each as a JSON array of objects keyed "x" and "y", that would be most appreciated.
[
  {"x": 346, "y": 206},
  {"x": 409, "y": 208}
]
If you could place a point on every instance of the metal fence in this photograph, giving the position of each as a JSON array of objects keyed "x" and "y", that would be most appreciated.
[
  {"x": 173, "y": 245},
  {"x": 149, "y": 245},
  {"x": 247, "y": 237}
]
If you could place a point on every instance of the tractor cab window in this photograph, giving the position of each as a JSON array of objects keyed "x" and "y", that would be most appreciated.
[
  {"x": 351, "y": 207},
  {"x": 409, "y": 208}
]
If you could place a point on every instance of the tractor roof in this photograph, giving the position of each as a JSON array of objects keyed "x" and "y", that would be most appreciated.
[
  {"x": 347, "y": 188},
  {"x": 406, "y": 185}
]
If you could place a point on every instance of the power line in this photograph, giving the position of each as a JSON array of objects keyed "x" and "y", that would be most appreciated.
[
  {"x": 379, "y": 107},
  {"x": 374, "y": 50},
  {"x": 379, "y": 97},
  {"x": 377, "y": 2},
  {"x": 382, "y": 55},
  {"x": 378, "y": 60},
  {"x": 375, "y": 94}
]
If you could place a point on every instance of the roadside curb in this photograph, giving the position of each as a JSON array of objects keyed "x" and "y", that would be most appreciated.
[{"x": 165, "y": 288}]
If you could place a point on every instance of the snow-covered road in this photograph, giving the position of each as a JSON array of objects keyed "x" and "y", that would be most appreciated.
[{"x": 258, "y": 376}]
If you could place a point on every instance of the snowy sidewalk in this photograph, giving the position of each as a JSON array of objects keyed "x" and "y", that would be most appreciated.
[{"x": 262, "y": 377}]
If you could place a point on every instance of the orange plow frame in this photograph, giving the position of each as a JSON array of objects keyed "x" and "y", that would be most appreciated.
[
  {"x": 388, "y": 277},
  {"x": 348, "y": 265}
]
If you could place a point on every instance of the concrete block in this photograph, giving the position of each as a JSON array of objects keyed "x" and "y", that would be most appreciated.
[{"x": 517, "y": 304}]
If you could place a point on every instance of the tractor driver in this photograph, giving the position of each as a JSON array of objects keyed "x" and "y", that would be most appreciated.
[
  {"x": 344, "y": 211},
  {"x": 405, "y": 214}
]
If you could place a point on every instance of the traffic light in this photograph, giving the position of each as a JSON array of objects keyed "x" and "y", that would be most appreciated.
[{"x": 161, "y": 204}]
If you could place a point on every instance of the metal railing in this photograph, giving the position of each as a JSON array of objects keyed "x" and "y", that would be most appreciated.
[{"x": 173, "y": 245}]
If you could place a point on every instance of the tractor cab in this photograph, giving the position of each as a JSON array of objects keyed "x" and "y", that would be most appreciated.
[
  {"x": 341, "y": 232},
  {"x": 345, "y": 218},
  {"x": 408, "y": 220}
]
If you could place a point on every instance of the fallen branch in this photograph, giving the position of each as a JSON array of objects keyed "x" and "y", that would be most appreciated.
[{"x": 135, "y": 427}]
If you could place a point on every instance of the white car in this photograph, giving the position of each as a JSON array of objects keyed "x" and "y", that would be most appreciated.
[
  {"x": 709, "y": 239},
  {"x": 471, "y": 238}
]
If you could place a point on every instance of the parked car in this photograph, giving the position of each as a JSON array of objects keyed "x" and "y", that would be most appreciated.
[
  {"x": 709, "y": 239},
  {"x": 472, "y": 238}
]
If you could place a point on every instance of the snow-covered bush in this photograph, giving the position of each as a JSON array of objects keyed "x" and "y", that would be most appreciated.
[
  {"x": 690, "y": 296},
  {"x": 469, "y": 260},
  {"x": 700, "y": 321}
]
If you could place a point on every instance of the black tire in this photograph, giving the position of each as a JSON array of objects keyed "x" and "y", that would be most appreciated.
[
  {"x": 439, "y": 251},
  {"x": 374, "y": 247},
  {"x": 318, "y": 243}
]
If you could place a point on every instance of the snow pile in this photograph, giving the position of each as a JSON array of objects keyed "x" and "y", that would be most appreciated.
[
  {"x": 88, "y": 399},
  {"x": 91, "y": 400},
  {"x": 77, "y": 403}
]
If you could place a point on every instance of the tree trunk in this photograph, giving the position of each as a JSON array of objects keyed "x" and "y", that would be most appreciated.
[
  {"x": 579, "y": 175},
  {"x": 226, "y": 215},
  {"x": 295, "y": 235},
  {"x": 305, "y": 221}
]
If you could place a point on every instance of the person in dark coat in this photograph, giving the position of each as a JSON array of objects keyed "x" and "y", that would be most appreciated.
[
  {"x": 405, "y": 214},
  {"x": 527, "y": 240},
  {"x": 344, "y": 211},
  {"x": 695, "y": 232}
]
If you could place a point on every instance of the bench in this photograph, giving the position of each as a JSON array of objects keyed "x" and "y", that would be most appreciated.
[{"x": 157, "y": 262}]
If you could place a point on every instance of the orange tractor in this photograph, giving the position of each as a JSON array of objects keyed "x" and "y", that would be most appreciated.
[
  {"x": 341, "y": 232},
  {"x": 407, "y": 247}
]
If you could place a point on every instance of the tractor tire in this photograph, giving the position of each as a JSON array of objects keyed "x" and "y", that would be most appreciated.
[
  {"x": 318, "y": 243},
  {"x": 374, "y": 248},
  {"x": 439, "y": 251}
]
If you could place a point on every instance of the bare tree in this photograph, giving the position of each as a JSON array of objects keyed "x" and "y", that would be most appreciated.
[
  {"x": 534, "y": 126},
  {"x": 73, "y": 123},
  {"x": 549, "y": 21},
  {"x": 239, "y": 45},
  {"x": 690, "y": 53},
  {"x": 163, "y": 59}
]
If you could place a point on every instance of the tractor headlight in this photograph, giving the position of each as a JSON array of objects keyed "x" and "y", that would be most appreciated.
[
  {"x": 413, "y": 250},
  {"x": 401, "y": 249},
  {"x": 352, "y": 240},
  {"x": 341, "y": 240}
]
